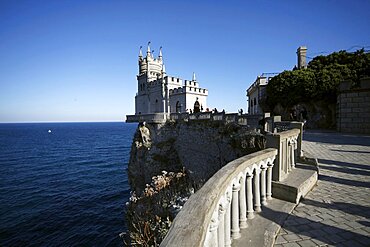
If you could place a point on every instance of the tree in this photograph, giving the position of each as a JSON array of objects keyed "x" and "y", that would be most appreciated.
[{"x": 320, "y": 80}]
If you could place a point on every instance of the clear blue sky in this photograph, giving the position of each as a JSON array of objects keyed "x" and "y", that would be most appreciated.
[{"x": 77, "y": 60}]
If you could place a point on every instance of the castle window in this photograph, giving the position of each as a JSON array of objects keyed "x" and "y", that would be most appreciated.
[
  {"x": 178, "y": 107},
  {"x": 178, "y": 80}
]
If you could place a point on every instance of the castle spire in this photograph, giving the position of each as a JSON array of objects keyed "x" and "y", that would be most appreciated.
[
  {"x": 194, "y": 79},
  {"x": 148, "y": 50},
  {"x": 163, "y": 69},
  {"x": 140, "y": 53},
  {"x": 160, "y": 53}
]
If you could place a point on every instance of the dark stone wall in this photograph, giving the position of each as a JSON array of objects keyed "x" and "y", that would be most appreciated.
[{"x": 353, "y": 107}]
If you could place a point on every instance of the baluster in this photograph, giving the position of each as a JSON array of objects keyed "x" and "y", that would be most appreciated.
[
  {"x": 257, "y": 202},
  {"x": 211, "y": 238},
  {"x": 263, "y": 185},
  {"x": 235, "y": 230},
  {"x": 293, "y": 156},
  {"x": 269, "y": 180},
  {"x": 228, "y": 221},
  {"x": 221, "y": 225},
  {"x": 250, "y": 197},
  {"x": 243, "y": 204},
  {"x": 289, "y": 156}
]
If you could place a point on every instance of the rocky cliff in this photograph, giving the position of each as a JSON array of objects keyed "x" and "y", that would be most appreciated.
[{"x": 170, "y": 161}]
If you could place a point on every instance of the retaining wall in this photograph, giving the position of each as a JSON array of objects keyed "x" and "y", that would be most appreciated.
[{"x": 353, "y": 108}]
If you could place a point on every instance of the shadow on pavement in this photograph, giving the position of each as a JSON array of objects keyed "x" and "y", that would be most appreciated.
[
  {"x": 348, "y": 208},
  {"x": 336, "y": 138},
  {"x": 350, "y": 151},
  {"x": 324, "y": 233},
  {"x": 344, "y": 164},
  {"x": 345, "y": 169},
  {"x": 344, "y": 181}
]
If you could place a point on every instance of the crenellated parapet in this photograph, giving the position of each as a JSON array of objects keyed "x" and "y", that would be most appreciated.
[
  {"x": 189, "y": 89},
  {"x": 149, "y": 65}
]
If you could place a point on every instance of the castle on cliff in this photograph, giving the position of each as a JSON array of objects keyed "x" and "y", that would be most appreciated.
[{"x": 160, "y": 93}]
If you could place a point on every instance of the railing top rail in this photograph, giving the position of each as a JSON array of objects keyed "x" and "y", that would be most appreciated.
[
  {"x": 287, "y": 133},
  {"x": 190, "y": 226}
]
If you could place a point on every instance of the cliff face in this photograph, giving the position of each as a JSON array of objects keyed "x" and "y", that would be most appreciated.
[
  {"x": 169, "y": 162},
  {"x": 201, "y": 148}
]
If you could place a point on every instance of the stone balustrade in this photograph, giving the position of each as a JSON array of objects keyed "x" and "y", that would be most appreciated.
[
  {"x": 226, "y": 203},
  {"x": 150, "y": 118},
  {"x": 287, "y": 125},
  {"x": 241, "y": 119},
  {"x": 286, "y": 143}
]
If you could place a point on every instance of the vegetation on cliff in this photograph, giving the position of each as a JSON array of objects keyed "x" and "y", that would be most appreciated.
[{"x": 149, "y": 215}]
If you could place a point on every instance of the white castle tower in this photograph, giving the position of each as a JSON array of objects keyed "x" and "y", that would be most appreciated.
[{"x": 160, "y": 93}]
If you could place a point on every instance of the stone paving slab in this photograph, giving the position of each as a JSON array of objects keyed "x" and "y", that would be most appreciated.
[
  {"x": 265, "y": 225},
  {"x": 337, "y": 211}
]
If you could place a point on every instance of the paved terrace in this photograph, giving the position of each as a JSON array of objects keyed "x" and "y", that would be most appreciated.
[{"x": 337, "y": 211}]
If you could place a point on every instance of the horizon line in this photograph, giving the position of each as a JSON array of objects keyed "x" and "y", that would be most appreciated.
[{"x": 88, "y": 121}]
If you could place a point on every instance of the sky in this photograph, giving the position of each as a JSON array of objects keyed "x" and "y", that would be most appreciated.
[{"x": 64, "y": 60}]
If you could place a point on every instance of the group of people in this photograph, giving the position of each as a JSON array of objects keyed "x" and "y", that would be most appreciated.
[
  {"x": 298, "y": 114},
  {"x": 197, "y": 110}
]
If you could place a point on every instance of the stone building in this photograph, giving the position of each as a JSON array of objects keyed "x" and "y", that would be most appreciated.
[
  {"x": 162, "y": 93},
  {"x": 256, "y": 93}
]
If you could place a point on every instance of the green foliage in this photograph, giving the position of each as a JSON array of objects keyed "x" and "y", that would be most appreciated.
[
  {"x": 149, "y": 217},
  {"x": 290, "y": 87},
  {"x": 320, "y": 80}
]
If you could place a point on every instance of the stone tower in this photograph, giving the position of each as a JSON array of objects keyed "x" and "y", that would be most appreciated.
[
  {"x": 159, "y": 93},
  {"x": 151, "y": 70},
  {"x": 301, "y": 54}
]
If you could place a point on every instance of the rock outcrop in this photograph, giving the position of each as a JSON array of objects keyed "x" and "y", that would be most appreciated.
[{"x": 168, "y": 162}]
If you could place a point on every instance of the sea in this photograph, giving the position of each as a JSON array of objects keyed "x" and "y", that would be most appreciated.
[{"x": 63, "y": 184}]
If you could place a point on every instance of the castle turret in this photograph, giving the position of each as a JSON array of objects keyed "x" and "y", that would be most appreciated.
[
  {"x": 301, "y": 54},
  {"x": 160, "y": 54},
  {"x": 194, "y": 78},
  {"x": 148, "y": 50},
  {"x": 140, "y": 54}
]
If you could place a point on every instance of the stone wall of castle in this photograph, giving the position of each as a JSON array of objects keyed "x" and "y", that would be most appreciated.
[{"x": 353, "y": 108}]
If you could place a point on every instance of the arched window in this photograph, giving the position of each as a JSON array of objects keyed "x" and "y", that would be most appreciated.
[
  {"x": 196, "y": 106},
  {"x": 178, "y": 107},
  {"x": 157, "y": 106}
]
